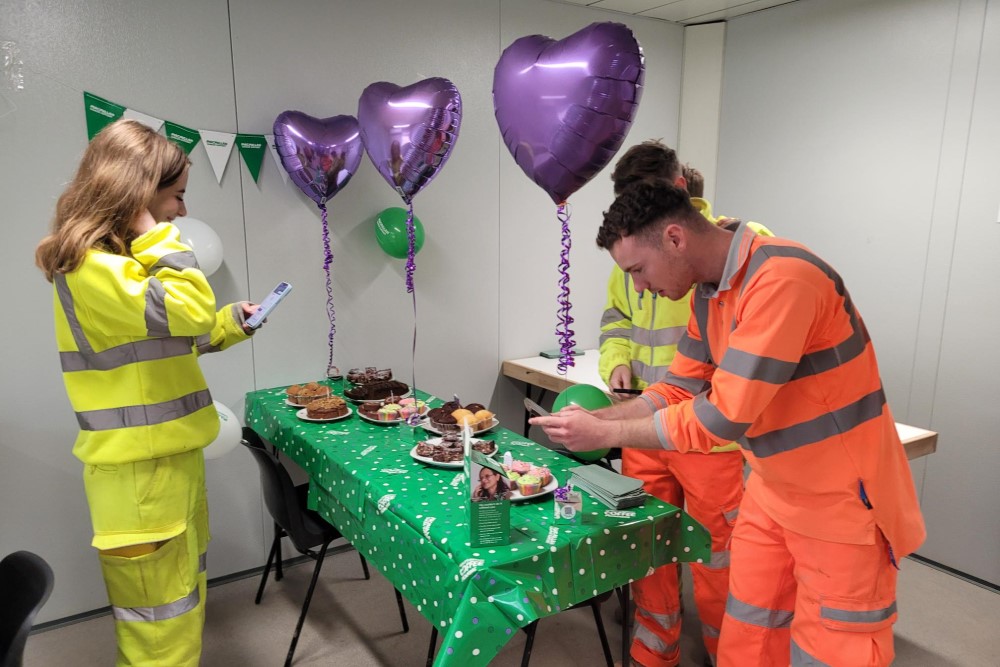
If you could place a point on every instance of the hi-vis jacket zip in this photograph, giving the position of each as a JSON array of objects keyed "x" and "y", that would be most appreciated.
[
  {"x": 778, "y": 359},
  {"x": 129, "y": 331}
]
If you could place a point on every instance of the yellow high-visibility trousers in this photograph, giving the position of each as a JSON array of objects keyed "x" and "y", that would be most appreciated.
[{"x": 150, "y": 522}]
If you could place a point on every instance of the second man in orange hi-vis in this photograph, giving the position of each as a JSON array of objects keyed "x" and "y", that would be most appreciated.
[{"x": 777, "y": 358}]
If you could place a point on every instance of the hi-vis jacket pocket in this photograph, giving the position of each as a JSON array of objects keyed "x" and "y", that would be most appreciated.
[{"x": 849, "y": 615}]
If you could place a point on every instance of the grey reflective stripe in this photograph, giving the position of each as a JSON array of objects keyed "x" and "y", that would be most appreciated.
[
  {"x": 648, "y": 374},
  {"x": 160, "y": 613},
  {"x": 156, "y": 309},
  {"x": 123, "y": 355},
  {"x": 694, "y": 349},
  {"x": 802, "y": 659},
  {"x": 66, "y": 301},
  {"x": 612, "y": 315},
  {"x": 654, "y": 401},
  {"x": 759, "y": 616},
  {"x": 143, "y": 415},
  {"x": 204, "y": 344},
  {"x": 709, "y": 631},
  {"x": 614, "y": 333},
  {"x": 820, "y": 361},
  {"x": 701, "y": 317},
  {"x": 202, "y": 562},
  {"x": 869, "y": 616},
  {"x": 755, "y": 367},
  {"x": 694, "y": 386},
  {"x": 645, "y": 636},
  {"x": 175, "y": 260},
  {"x": 717, "y": 423},
  {"x": 658, "y": 337},
  {"x": 662, "y": 435},
  {"x": 732, "y": 514},
  {"x": 720, "y": 560},
  {"x": 822, "y": 427},
  {"x": 665, "y": 621}
]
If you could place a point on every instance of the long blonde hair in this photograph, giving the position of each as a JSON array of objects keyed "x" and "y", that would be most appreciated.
[{"x": 120, "y": 173}]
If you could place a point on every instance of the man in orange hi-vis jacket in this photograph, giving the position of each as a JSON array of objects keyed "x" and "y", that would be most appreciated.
[{"x": 777, "y": 358}]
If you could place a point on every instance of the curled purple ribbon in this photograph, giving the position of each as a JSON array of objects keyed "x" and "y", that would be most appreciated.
[
  {"x": 327, "y": 261},
  {"x": 411, "y": 238},
  {"x": 562, "y": 493},
  {"x": 563, "y": 332}
]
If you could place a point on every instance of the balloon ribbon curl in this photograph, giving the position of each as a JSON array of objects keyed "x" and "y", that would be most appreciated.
[
  {"x": 563, "y": 331},
  {"x": 330, "y": 311},
  {"x": 411, "y": 266}
]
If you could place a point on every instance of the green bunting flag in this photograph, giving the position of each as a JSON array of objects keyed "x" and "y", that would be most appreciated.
[
  {"x": 100, "y": 112},
  {"x": 252, "y": 147},
  {"x": 184, "y": 137}
]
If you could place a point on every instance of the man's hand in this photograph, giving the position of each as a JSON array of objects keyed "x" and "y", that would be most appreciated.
[
  {"x": 621, "y": 377},
  {"x": 248, "y": 310},
  {"x": 577, "y": 429}
]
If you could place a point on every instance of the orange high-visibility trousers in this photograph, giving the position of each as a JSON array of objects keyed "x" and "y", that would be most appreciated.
[
  {"x": 711, "y": 485},
  {"x": 796, "y": 600}
]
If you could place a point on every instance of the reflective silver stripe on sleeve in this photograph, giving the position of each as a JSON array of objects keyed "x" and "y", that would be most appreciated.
[
  {"x": 654, "y": 401},
  {"x": 202, "y": 563},
  {"x": 66, "y": 301},
  {"x": 645, "y": 636},
  {"x": 123, "y": 355},
  {"x": 694, "y": 386},
  {"x": 160, "y": 613},
  {"x": 661, "y": 435},
  {"x": 759, "y": 616},
  {"x": 716, "y": 422},
  {"x": 754, "y": 367},
  {"x": 720, "y": 560},
  {"x": 648, "y": 374},
  {"x": 802, "y": 659},
  {"x": 870, "y": 616},
  {"x": 614, "y": 333},
  {"x": 177, "y": 261},
  {"x": 156, "y": 309},
  {"x": 665, "y": 621},
  {"x": 709, "y": 631},
  {"x": 612, "y": 315},
  {"x": 694, "y": 349},
  {"x": 143, "y": 415},
  {"x": 820, "y": 428},
  {"x": 204, "y": 344},
  {"x": 731, "y": 514}
]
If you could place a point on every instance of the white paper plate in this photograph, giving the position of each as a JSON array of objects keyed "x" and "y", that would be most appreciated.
[
  {"x": 409, "y": 392},
  {"x": 442, "y": 464},
  {"x": 515, "y": 495},
  {"x": 301, "y": 414},
  {"x": 427, "y": 427}
]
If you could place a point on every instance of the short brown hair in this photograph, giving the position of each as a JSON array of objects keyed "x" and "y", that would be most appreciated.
[
  {"x": 644, "y": 208},
  {"x": 650, "y": 160},
  {"x": 695, "y": 181}
]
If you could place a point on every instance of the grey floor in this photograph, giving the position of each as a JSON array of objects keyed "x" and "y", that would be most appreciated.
[{"x": 944, "y": 622}]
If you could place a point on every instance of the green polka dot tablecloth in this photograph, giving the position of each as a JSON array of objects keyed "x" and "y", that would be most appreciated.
[{"x": 411, "y": 521}]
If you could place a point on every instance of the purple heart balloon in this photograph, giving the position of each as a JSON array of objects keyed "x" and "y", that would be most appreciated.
[
  {"x": 565, "y": 107},
  {"x": 409, "y": 132},
  {"x": 320, "y": 154}
]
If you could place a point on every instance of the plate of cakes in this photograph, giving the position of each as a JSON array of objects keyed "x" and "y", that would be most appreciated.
[
  {"x": 300, "y": 395},
  {"x": 378, "y": 392},
  {"x": 529, "y": 481},
  {"x": 388, "y": 413},
  {"x": 329, "y": 409},
  {"x": 447, "y": 451},
  {"x": 452, "y": 416}
]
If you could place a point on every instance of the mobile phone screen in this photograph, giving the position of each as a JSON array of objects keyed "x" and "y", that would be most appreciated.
[{"x": 269, "y": 303}]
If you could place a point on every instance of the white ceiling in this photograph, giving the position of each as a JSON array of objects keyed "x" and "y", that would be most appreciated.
[{"x": 686, "y": 12}]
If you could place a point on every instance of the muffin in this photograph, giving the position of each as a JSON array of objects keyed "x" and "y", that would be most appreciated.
[
  {"x": 542, "y": 473},
  {"x": 475, "y": 407},
  {"x": 483, "y": 419},
  {"x": 529, "y": 485},
  {"x": 306, "y": 393}
]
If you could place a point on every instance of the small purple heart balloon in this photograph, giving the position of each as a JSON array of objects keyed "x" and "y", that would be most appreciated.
[
  {"x": 409, "y": 132},
  {"x": 320, "y": 154},
  {"x": 565, "y": 107}
]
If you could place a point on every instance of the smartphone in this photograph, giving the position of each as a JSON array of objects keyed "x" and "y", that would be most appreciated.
[
  {"x": 535, "y": 408},
  {"x": 269, "y": 303},
  {"x": 636, "y": 392},
  {"x": 555, "y": 354}
]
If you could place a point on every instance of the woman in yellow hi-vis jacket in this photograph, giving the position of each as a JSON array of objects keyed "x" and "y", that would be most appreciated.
[{"x": 132, "y": 313}]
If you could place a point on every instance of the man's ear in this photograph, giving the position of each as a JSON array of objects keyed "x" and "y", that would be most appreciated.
[{"x": 673, "y": 236}]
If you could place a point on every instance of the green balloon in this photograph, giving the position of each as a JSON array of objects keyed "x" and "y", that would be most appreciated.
[
  {"x": 390, "y": 232},
  {"x": 589, "y": 397}
]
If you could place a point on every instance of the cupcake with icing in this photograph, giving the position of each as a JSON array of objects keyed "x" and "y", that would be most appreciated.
[
  {"x": 529, "y": 485},
  {"x": 542, "y": 473},
  {"x": 520, "y": 467}
]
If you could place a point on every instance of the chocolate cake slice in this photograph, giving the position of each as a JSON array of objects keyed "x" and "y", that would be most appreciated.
[{"x": 377, "y": 391}]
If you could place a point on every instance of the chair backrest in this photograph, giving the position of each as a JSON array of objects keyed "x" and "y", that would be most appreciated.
[
  {"x": 26, "y": 581},
  {"x": 279, "y": 490}
]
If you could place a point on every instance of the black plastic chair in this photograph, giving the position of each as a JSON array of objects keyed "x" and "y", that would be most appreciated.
[
  {"x": 594, "y": 603},
  {"x": 26, "y": 581},
  {"x": 293, "y": 519}
]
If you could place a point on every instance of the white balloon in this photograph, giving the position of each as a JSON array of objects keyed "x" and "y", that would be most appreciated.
[
  {"x": 230, "y": 433},
  {"x": 204, "y": 241}
]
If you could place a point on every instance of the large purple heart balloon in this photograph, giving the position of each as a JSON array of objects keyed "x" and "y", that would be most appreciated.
[
  {"x": 565, "y": 107},
  {"x": 320, "y": 154},
  {"x": 409, "y": 132}
]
